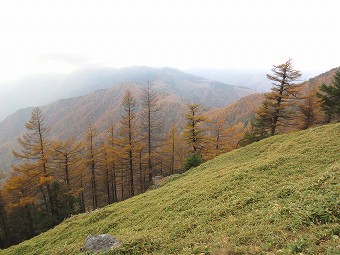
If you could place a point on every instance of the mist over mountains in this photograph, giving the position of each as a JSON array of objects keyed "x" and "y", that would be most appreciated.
[
  {"x": 252, "y": 78},
  {"x": 42, "y": 89}
]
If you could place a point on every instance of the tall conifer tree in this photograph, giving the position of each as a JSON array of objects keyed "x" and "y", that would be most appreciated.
[
  {"x": 194, "y": 134},
  {"x": 35, "y": 154},
  {"x": 277, "y": 108},
  {"x": 151, "y": 125},
  {"x": 127, "y": 132}
]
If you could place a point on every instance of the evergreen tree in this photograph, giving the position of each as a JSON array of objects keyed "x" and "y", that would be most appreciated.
[
  {"x": 330, "y": 97},
  {"x": 193, "y": 160}
]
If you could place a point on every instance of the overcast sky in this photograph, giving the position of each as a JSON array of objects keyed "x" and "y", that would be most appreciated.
[{"x": 62, "y": 35}]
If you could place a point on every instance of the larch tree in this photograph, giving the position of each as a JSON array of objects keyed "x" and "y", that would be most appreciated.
[
  {"x": 68, "y": 156},
  {"x": 194, "y": 134},
  {"x": 35, "y": 155},
  {"x": 151, "y": 125},
  {"x": 91, "y": 157},
  {"x": 309, "y": 108},
  {"x": 104, "y": 170},
  {"x": 67, "y": 164},
  {"x": 219, "y": 137},
  {"x": 169, "y": 148},
  {"x": 127, "y": 133},
  {"x": 262, "y": 126},
  {"x": 21, "y": 198},
  {"x": 330, "y": 97},
  {"x": 279, "y": 100},
  {"x": 113, "y": 154},
  {"x": 217, "y": 132}
]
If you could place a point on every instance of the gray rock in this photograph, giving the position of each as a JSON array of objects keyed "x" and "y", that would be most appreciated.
[
  {"x": 100, "y": 243},
  {"x": 156, "y": 181}
]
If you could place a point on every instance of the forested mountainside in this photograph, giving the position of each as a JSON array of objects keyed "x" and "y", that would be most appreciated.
[
  {"x": 326, "y": 77},
  {"x": 70, "y": 117},
  {"x": 243, "y": 111},
  {"x": 45, "y": 88},
  {"x": 276, "y": 196}
]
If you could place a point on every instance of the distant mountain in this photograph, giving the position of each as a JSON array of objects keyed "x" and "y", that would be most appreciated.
[
  {"x": 43, "y": 89},
  {"x": 70, "y": 117},
  {"x": 252, "y": 78}
]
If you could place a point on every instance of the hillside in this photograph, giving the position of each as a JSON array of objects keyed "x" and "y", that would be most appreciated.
[
  {"x": 241, "y": 111},
  {"x": 277, "y": 196},
  {"x": 326, "y": 77}
]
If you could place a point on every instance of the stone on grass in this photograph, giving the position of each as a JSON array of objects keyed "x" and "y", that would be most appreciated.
[{"x": 101, "y": 243}]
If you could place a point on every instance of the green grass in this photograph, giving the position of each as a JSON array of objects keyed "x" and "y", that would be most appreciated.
[{"x": 277, "y": 196}]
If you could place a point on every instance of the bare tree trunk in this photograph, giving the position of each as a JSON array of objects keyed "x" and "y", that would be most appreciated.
[
  {"x": 122, "y": 187},
  {"x": 141, "y": 182},
  {"x": 108, "y": 193},
  {"x": 113, "y": 183},
  {"x": 173, "y": 155},
  {"x": 45, "y": 201}
]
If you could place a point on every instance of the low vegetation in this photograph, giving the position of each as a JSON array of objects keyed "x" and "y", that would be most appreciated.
[{"x": 276, "y": 196}]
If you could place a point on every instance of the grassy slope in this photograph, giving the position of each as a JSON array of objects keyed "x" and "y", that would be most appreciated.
[{"x": 278, "y": 196}]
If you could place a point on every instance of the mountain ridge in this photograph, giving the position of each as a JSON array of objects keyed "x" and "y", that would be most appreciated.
[{"x": 43, "y": 89}]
